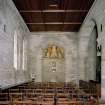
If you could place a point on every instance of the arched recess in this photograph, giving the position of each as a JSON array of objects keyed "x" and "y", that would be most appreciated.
[
  {"x": 62, "y": 42},
  {"x": 93, "y": 67},
  {"x": 98, "y": 53}
]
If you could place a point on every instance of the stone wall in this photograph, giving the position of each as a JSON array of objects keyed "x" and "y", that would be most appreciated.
[
  {"x": 39, "y": 41},
  {"x": 10, "y": 22},
  {"x": 95, "y": 17}
]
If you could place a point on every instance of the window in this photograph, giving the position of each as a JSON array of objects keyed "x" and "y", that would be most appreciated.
[
  {"x": 18, "y": 50},
  {"x": 24, "y": 64},
  {"x": 15, "y": 51}
]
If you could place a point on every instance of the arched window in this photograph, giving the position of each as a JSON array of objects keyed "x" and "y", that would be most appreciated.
[
  {"x": 23, "y": 65},
  {"x": 24, "y": 60},
  {"x": 98, "y": 57},
  {"x": 15, "y": 51}
]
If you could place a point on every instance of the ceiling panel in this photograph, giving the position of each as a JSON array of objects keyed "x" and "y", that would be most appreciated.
[
  {"x": 79, "y": 4},
  {"x": 37, "y": 27},
  {"x": 54, "y": 27},
  {"x": 30, "y": 17},
  {"x": 53, "y": 4},
  {"x": 53, "y": 15},
  {"x": 28, "y": 4},
  {"x": 75, "y": 16},
  {"x": 71, "y": 27}
]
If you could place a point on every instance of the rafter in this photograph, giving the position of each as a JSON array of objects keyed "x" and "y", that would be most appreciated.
[
  {"x": 54, "y": 23},
  {"x": 22, "y": 11}
]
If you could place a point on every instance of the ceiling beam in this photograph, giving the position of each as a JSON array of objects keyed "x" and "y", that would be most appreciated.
[
  {"x": 54, "y": 23},
  {"x": 22, "y": 11}
]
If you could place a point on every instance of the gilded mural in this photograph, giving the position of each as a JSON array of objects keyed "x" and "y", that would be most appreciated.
[{"x": 53, "y": 51}]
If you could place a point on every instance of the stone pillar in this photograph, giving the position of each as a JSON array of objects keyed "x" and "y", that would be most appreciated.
[
  {"x": 90, "y": 60},
  {"x": 84, "y": 36},
  {"x": 103, "y": 69},
  {"x": 82, "y": 57}
]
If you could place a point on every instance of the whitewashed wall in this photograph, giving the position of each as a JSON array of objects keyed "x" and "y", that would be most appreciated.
[
  {"x": 39, "y": 41},
  {"x": 10, "y": 21},
  {"x": 96, "y": 16}
]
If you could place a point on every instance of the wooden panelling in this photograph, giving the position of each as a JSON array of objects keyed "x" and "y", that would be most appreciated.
[
  {"x": 53, "y": 11},
  {"x": 71, "y": 27},
  {"x": 33, "y": 27},
  {"x": 50, "y": 4},
  {"x": 30, "y": 17},
  {"x": 54, "y": 17},
  {"x": 79, "y": 4},
  {"x": 55, "y": 27},
  {"x": 28, "y": 4},
  {"x": 75, "y": 16}
]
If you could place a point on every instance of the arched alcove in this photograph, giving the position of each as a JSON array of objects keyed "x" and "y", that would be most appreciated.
[{"x": 92, "y": 61}]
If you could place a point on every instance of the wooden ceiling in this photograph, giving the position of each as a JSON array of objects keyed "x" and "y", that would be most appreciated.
[{"x": 53, "y": 15}]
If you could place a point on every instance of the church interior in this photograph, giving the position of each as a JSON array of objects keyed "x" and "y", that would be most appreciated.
[{"x": 52, "y": 52}]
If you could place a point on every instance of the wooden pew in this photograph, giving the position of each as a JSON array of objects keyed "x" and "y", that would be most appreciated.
[{"x": 34, "y": 93}]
